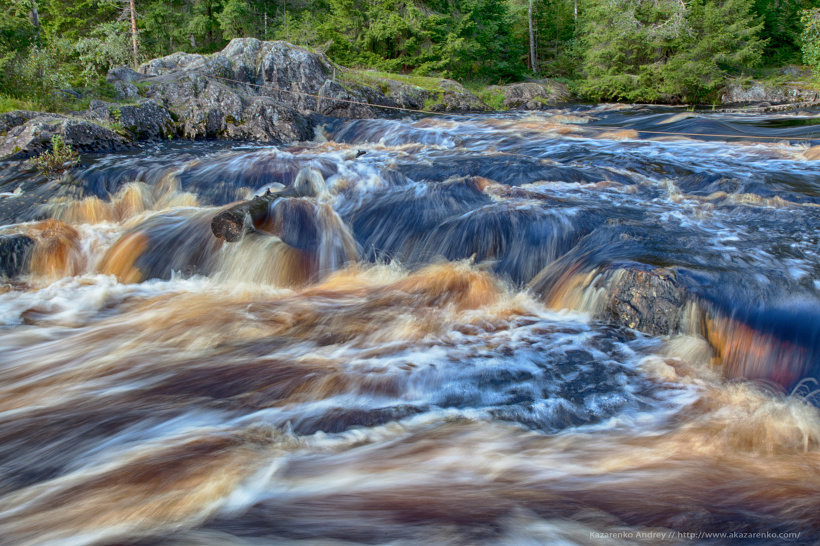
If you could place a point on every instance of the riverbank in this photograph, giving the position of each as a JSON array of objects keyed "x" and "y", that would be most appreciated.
[
  {"x": 277, "y": 92},
  {"x": 251, "y": 90}
]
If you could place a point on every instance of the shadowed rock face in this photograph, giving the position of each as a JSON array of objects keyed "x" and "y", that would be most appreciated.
[
  {"x": 33, "y": 137},
  {"x": 15, "y": 252}
]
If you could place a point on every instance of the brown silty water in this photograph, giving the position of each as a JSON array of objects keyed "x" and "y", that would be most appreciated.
[{"x": 508, "y": 329}]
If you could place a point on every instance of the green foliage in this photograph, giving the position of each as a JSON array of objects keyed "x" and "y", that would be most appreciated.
[
  {"x": 464, "y": 39},
  {"x": 638, "y": 50},
  {"x": 634, "y": 50},
  {"x": 108, "y": 45},
  {"x": 8, "y": 104},
  {"x": 722, "y": 36},
  {"x": 55, "y": 162},
  {"x": 782, "y": 28},
  {"x": 492, "y": 97},
  {"x": 810, "y": 37}
]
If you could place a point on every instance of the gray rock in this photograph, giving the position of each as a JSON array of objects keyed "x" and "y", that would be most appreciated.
[
  {"x": 535, "y": 95},
  {"x": 735, "y": 93},
  {"x": 34, "y": 137},
  {"x": 348, "y": 107},
  {"x": 126, "y": 91},
  {"x": 265, "y": 119},
  {"x": 142, "y": 121},
  {"x": 9, "y": 120},
  {"x": 146, "y": 120},
  {"x": 216, "y": 96},
  {"x": 123, "y": 74}
]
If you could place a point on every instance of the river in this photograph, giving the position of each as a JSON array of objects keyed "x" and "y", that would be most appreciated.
[{"x": 586, "y": 326}]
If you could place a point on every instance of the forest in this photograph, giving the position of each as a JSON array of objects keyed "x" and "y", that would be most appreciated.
[{"x": 615, "y": 50}]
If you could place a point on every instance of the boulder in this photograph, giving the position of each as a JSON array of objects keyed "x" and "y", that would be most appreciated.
[
  {"x": 126, "y": 91},
  {"x": 648, "y": 299},
  {"x": 34, "y": 137},
  {"x": 123, "y": 74},
  {"x": 534, "y": 95},
  {"x": 142, "y": 121}
]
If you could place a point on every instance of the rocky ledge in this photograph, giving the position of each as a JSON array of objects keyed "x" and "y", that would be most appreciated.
[{"x": 767, "y": 94}]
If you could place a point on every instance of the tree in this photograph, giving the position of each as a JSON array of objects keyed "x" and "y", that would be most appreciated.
[
  {"x": 650, "y": 50},
  {"x": 722, "y": 34},
  {"x": 134, "y": 32},
  {"x": 810, "y": 37}
]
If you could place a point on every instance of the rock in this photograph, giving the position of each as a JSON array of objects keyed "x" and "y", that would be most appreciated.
[
  {"x": 9, "y": 120},
  {"x": 142, "y": 121},
  {"x": 123, "y": 74},
  {"x": 204, "y": 106},
  {"x": 348, "y": 106},
  {"x": 34, "y": 137},
  {"x": 796, "y": 72},
  {"x": 645, "y": 298},
  {"x": 15, "y": 255},
  {"x": 126, "y": 91},
  {"x": 270, "y": 90},
  {"x": 735, "y": 93},
  {"x": 171, "y": 63},
  {"x": 535, "y": 95},
  {"x": 264, "y": 119},
  {"x": 146, "y": 120}
]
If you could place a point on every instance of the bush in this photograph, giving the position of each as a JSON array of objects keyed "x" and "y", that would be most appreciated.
[
  {"x": 810, "y": 37},
  {"x": 54, "y": 163}
]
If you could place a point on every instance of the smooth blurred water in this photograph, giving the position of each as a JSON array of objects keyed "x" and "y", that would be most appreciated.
[{"x": 437, "y": 349}]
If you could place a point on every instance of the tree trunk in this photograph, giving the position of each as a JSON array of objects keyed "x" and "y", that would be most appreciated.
[
  {"x": 34, "y": 17},
  {"x": 533, "y": 60},
  {"x": 134, "y": 33}
]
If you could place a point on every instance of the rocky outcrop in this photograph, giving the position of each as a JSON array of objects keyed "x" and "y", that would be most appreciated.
[
  {"x": 223, "y": 95},
  {"x": 34, "y": 137},
  {"x": 251, "y": 90},
  {"x": 10, "y": 120},
  {"x": 759, "y": 92},
  {"x": 534, "y": 95},
  {"x": 142, "y": 121}
]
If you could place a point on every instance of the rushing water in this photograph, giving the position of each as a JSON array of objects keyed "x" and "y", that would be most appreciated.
[{"x": 515, "y": 329}]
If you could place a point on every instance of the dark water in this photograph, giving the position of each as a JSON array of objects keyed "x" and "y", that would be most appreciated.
[{"x": 565, "y": 327}]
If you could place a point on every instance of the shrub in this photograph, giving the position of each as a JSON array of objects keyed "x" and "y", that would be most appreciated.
[{"x": 55, "y": 162}]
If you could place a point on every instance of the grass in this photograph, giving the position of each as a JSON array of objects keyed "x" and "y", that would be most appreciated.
[
  {"x": 8, "y": 104},
  {"x": 60, "y": 102},
  {"x": 494, "y": 98},
  {"x": 373, "y": 78}
]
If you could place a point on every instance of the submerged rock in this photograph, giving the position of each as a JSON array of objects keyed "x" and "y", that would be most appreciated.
[
  {"x": 650, "y": 300},
  {"x": 15, "y": 254}
]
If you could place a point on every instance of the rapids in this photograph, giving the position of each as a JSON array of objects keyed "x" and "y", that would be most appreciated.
[{"x": 587, "y": 326}]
